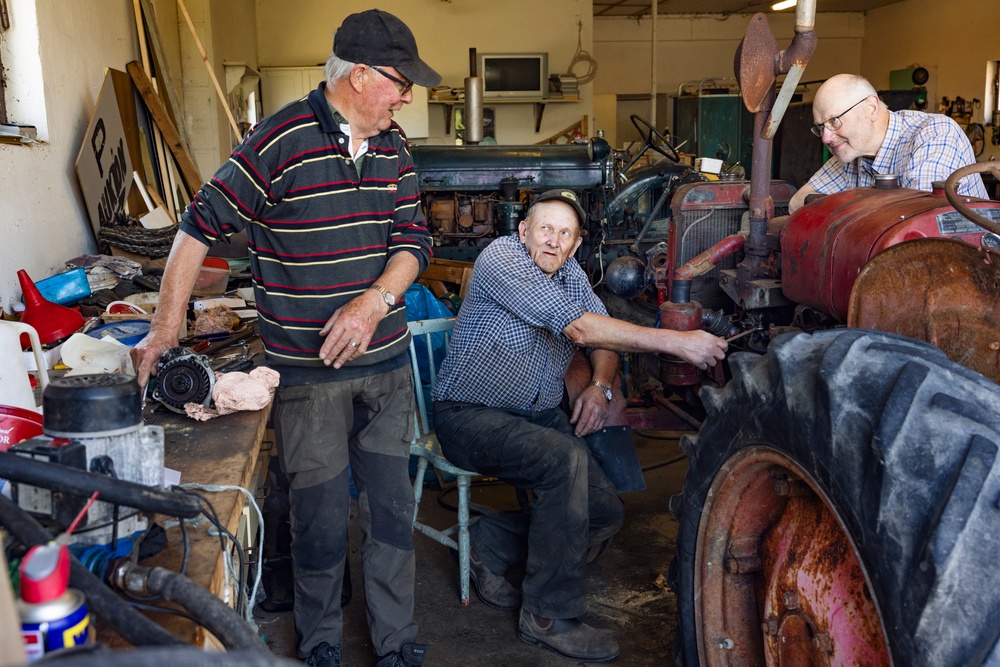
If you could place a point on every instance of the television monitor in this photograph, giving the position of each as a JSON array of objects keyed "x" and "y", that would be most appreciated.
[{"x": 514, "y": 75}]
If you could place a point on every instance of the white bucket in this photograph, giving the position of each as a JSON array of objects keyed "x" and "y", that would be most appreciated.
[{"x": 15, "y": 387}]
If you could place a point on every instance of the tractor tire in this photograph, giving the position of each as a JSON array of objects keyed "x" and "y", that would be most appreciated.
[{"x": 841, "y": 508}]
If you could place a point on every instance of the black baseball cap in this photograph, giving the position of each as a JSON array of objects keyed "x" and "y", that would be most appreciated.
[
  {"x": 567, "y": 196},
  {"x": 374, "y": 37}
]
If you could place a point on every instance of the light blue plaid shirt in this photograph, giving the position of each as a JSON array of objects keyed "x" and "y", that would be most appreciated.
[
  {"x": 508, "y": 349},
  {"x": 918, "y": 147}
]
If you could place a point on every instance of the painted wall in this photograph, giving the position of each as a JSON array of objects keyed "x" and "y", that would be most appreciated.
[
  {"x": 445, "y": 31},
  {"x": 692, "y": 48},
  {"x": 43, "y": 218},
  {"x": 955, "y": 38}
]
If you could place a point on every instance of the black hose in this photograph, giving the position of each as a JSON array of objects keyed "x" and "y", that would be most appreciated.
[
  {"x": 187, "y": 656},
  {"x": 101, "y": 600},
  {"x": 64, "y": 478},
  {"x": 211, "y": 611}
]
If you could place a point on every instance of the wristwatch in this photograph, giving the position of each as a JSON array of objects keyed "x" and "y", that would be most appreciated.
[
  {"x": 603, "y": 387},
  {"x": 387, "y": 296}
]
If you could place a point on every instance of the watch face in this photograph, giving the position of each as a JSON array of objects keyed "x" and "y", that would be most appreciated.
[
  {"x": 389, "y": 298},
  {"x": 607, "y": 394}
]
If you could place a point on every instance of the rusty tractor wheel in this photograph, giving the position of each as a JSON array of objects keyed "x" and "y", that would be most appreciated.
[{"x": 841, "y": 508}]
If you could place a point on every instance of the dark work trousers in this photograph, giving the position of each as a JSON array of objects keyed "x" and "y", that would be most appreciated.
[
  {"x": 574, "y": 507},
  {"x": 319, "y": 429}
]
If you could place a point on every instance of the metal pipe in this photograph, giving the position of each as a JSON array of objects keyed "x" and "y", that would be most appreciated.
[
  {"x": 473, "y": 103},
  {"x": 652, "y": 65},
  {"x": 707, "y": 260}
]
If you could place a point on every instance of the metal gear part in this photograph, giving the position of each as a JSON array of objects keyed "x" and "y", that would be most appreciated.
[{"x": 184, "y": 377}]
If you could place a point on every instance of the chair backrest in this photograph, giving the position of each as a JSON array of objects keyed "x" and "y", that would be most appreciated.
[{"x": 427, "y": 336}]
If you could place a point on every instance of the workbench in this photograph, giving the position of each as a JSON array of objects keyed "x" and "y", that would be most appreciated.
[{"x": 231, "y": 450}]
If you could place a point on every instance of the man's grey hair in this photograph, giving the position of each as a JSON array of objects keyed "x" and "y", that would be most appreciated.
[{"x": 336, "y": 69}]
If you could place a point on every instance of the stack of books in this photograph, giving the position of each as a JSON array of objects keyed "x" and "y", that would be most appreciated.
[{"x": 569, "y": 87}]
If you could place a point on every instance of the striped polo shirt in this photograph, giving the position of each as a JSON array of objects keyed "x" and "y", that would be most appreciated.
[{"x": 318, "y": 233}]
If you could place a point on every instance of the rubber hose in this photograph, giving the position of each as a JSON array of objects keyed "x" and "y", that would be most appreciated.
[
  {"x": 133, "y": 626},
  {"x": 188, "y": 656},
  {"x": 211, "y": 611},
  {"x": 64, "y": 478}
]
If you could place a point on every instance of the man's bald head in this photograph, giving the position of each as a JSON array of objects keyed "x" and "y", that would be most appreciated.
[{"x": 843, "y": 90}]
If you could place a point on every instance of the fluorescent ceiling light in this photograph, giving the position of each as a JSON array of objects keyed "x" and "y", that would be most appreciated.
[{"x": 784, "y": 4}]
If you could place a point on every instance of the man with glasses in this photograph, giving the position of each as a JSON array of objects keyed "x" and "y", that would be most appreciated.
[
  {"x": 326, "y": 191},
  {"x": 866, "y": 139}
]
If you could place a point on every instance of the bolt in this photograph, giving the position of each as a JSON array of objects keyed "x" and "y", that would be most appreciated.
[
  {"x": 727, "y": 644},
  {"x": 790, "y": 599},
  {"x": 824, "y": 643},
  {"x": 770, "y": 626},
  {"x": 743, "y": 564}
]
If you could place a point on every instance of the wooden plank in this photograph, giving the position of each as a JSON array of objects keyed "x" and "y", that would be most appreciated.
[
  {"x": 125, "y": 96},
  {"x": 163, "y": 72},
  {"x": 189, "y": 172},
  {"x": 448, "y": 270}
]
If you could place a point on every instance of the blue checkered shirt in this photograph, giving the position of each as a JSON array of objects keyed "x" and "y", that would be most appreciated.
[
  {"x": 918, "y": 147},
  {"x": 508, "y": 349}
]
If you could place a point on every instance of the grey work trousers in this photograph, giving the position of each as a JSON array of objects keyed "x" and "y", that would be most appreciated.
[
  {"x": 575, "y": 510},
  {"x": 320, "y": 428}
]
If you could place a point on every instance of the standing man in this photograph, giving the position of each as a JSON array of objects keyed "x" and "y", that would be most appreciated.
[
  {"x": 327, "y": 193},
  {"x": 497, "y": 412},
  {"x": 867, "y": 139}
]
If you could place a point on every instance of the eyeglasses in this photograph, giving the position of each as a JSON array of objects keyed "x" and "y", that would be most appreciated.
[
  {"x": 406, "y": 85},
  {"x": 834, "y": 123}
]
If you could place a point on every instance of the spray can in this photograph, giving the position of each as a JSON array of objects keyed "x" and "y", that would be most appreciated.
[{"x": 53, "y": 616}]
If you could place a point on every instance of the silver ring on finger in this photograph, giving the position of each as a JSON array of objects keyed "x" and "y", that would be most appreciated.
[{"x": 353, "y": 344}]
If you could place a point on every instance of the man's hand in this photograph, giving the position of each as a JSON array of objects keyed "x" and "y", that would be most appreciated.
[
  {"x": 590, "y": 411},
  {"x": 350, "y": 328},
  {"x": 147, "y": 352},
  {"x": 699, "y": 347}
]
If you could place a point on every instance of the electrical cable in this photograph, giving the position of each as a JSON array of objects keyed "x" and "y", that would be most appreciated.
[
  {"x": 248, "y": 612},
  {"x": 163, "y": 610},
  {"x": 582, "y": 56}
]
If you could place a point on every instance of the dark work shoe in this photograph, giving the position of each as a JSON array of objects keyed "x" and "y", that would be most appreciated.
[
  {"x": 493, "y": 588},
  {"x": 324, "y": 655},
  {"x": 570, "y": 638},
  {"x": 411, "y": 655}
]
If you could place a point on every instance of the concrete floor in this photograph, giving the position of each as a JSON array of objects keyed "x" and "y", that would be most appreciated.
[{"x": 626, "y": 589}]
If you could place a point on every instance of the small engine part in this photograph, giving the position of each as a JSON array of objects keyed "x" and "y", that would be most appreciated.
[{"x": 184, "y": 376}]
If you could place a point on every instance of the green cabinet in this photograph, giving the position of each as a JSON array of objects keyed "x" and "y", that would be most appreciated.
[{"x": 715, "y": 125}]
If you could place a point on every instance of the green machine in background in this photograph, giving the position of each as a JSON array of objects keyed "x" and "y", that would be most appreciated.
[
  {"x": 908, "y": 85},
  {"x": 713, "y": 120}
]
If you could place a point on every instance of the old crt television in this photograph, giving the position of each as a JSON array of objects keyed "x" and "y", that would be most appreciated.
[{"x": 513, "y": 75}]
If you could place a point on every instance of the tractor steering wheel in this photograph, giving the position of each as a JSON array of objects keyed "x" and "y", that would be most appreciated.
[{"x": 654, "y": 139}]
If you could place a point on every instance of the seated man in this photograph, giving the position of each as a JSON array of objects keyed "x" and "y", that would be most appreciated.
[
  {"x": 497, "y": 412},
  {"x": 867, "y": 139}
]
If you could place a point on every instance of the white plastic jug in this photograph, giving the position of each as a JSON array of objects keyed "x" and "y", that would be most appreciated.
[{"x": 15, "y": 387}]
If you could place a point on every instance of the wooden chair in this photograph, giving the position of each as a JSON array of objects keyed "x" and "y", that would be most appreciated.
[{"x": 425, "y": 446}]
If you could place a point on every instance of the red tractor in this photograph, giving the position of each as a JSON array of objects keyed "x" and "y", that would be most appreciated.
[{"x": 841, "y": 504}]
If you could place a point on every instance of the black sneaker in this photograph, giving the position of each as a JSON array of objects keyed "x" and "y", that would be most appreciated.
[
  {"x": 324, "y": 655},
  {"x": 411, "y": 655}
]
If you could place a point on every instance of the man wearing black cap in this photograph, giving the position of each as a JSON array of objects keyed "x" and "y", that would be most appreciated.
[
  {"x": 496, "y": 411},
  {"x": 326, "y": 191}
]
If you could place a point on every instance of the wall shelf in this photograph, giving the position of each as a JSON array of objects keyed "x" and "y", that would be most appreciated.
[{"x": 538, "y": 103}]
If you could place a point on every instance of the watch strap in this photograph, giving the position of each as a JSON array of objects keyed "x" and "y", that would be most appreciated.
[{"x": 603, "y": 387}]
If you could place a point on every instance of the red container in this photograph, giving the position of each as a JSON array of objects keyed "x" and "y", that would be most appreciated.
[{"x": 17, "y": 425}]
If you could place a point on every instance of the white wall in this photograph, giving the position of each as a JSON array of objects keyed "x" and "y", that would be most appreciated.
[
  {"x": 691, "y": 48},
  {"x": 956, "y": 38},
  {"x": 445, "y": 30},
  {"x": 42, "y": 215}
]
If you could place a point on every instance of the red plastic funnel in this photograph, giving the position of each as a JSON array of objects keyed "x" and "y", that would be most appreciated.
[{"x": 52, "y": 321}]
